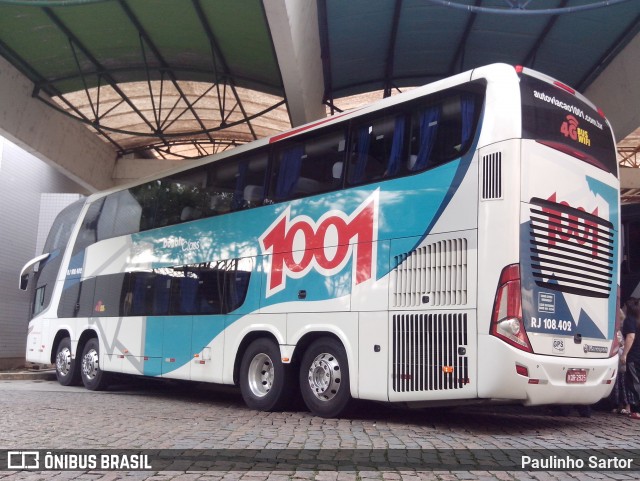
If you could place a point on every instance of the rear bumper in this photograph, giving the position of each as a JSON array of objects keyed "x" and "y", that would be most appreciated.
[{"x": 546, "y": 381}]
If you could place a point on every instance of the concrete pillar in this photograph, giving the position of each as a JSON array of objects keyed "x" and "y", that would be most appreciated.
[
  {"x": 294, "y": 29},
  {"x": 63, "y": 143},
  {"x": 615, "y": 90}
]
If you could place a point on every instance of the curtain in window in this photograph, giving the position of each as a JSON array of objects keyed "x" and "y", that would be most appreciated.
[
  {"x": 362, "y": 154},
  {"x": 162, "y": 294},
  {"x": 241, "y": 180},
  {"x": 395, "y": 157},
  {"x": 139, "y": 301},
  {"x": 467, "y": 107},
  {"x": 428, "y": 128},
  {"x": 188, "y": 294},
  {"x": 289, "y": 172}
]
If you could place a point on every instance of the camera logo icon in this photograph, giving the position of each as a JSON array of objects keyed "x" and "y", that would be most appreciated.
[{"x": 23, "y": 460}]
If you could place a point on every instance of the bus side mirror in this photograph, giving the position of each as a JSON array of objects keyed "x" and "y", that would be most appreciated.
[
  {"x": 24, "y": 282},
  {"x": 24, "y": 273}
]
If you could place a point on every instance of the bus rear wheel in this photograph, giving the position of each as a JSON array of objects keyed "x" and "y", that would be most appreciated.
[
  {"x": 67, "y": 371},
  {"x": 264, "y": 379},
  {"x": 324, "y": 378},
  {"x": 93, "y": 378}
]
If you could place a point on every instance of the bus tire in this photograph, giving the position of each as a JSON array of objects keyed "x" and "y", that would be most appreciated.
[
  {"x": 67, "y": 371},
  {"x": 324, "y": 378},
  {"x": 264, "y": 379},
  {"x": 93, "y": 378}
]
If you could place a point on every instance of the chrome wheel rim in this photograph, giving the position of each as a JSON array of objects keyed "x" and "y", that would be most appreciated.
[
  {"x": 90, "y": 364},
  {"x": 325, "y": 376},
  {"x": 63, "y": 361},
  {"x": 260, "y": 375}
]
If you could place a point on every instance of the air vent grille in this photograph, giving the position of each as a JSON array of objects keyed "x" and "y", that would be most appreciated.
[
  {"x": 435, "y": 274},
  {"x": 492, "y": 176},
  {"x": 429, "y": 352}
]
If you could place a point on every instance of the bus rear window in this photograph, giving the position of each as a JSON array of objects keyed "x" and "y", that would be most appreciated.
[{"x": 559, "y": 119}]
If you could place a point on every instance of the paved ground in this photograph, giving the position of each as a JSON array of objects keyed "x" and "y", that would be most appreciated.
[{"x": 40, "y": 414}]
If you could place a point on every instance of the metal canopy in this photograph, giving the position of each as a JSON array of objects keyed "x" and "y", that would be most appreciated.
[
  {"x": 164, "y": 76},
  {"x": 390, "y": 45},
  {"x": 183, "y": 79}
]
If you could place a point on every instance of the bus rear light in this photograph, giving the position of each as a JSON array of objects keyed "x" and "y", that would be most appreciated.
[
  {"x": 524, "y": 372},
  {"x": 506, "y": 321},
  {"x": 564, "y": 87},
  {"x": 566, "y": 149}
]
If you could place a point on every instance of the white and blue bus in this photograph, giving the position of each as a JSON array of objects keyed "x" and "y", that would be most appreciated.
[{"x": 455, "y": 243}]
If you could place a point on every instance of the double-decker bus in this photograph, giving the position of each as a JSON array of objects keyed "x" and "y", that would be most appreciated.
[{"x": 455, "y": 243}]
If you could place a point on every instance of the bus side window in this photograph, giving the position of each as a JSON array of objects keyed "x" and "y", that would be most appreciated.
[
  {"x": 181, "y": 197},
  {"x": 441, "y": 132},
  {"x": 377, "y": 150},
  {"x": 237, "y": 284},
  {"x": 86, "y": 305},
  {"x": 141, "y": 293},
  {"x": 67, "y": 307},
  {"x": 424, "y": 131},
  {"x": 77, "y": 299},
  {"x": 236, "y": 185},
  {"x": 88, "y": 233},
  {"x": 146, "y": 197},
  {"x": 218, "y": 193},
  {"x": 39, "y": 302},
  {"x": 210, "y": 292},
  {"x": 109, "y": 289},
  {"x": 309, "y": 167},
  {"x": 121, "y": 215},
  {"x": 212, "y": 288},
  {"x": 184, "y": 293}
]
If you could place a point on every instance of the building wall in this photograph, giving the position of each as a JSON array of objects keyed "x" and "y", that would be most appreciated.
[{"x": 23, "y": 180}]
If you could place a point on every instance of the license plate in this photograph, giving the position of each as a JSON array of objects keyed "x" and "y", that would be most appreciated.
[{"x": 576, "y": 376}]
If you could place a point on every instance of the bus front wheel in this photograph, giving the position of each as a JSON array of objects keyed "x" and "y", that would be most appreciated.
[
  {"x": 67, "y": 371},
  {"x": 264, "y": 379},
  {"x": 324, "y": 378},
  {"x": 93, "y": 378}
]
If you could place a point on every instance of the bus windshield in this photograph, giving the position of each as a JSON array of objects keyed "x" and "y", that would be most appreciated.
[{"x": 561, "y": 120}]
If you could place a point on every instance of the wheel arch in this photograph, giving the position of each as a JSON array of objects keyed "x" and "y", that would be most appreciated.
[
  {"x": 246, "y": 340},
  {"x": 60, "y": 335},
  {"x": 307, "y": 339},
  {"x": 84, "y": 338}
]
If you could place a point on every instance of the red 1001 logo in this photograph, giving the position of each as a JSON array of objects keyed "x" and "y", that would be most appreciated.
[{"x": 300, "y": 244}]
